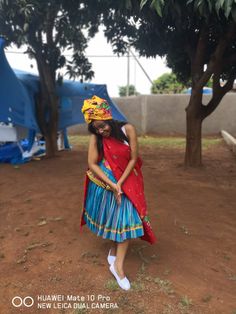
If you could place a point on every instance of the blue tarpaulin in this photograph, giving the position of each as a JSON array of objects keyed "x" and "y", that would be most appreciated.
[
  {"x": 18, "y": 89},
  {"x": 17, "y": 102},
  {"x": 205, "y": 91}
]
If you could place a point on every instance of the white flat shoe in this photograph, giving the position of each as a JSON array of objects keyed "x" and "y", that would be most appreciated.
[
  {"x": 111, "y": 258},
  {"x": 123, "y": 283}
]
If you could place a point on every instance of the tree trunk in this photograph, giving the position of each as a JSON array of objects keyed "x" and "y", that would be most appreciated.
[
  {"x": 50, "y": 121},
  {"x": 47, "y": 108},
  {"x": 51, "y": 144},
  {"x": 52, "y": 125},
  {"x": 193, "y": 153}
]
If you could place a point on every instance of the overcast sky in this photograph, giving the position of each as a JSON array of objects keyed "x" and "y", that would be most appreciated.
[{"x": 110, "y": 70}]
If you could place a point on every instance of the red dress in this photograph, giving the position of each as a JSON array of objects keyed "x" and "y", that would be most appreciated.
[{"x": 117, "y": 155}]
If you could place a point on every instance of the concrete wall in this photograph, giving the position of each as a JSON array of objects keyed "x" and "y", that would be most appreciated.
[{"x": 165, "y": 114}]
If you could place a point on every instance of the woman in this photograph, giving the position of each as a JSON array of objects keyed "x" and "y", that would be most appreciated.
[{"x": 114, "y": 204}]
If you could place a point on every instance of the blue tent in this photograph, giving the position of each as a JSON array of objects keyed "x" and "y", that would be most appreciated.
[
  {"x": 17, "y": 98},
  {"x": 18, "y": 88},
  {"x": 205, "y": 91}
]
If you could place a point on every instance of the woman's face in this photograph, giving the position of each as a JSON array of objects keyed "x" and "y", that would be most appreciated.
[{"x": 102, "y": 128}]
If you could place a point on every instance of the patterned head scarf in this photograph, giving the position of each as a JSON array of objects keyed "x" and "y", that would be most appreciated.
[{"x": 96, "y": 109}]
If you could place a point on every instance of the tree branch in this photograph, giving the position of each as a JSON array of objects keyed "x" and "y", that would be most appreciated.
[
  {"x": 216, "y": 77},
  {"x": 230, "y": 60},
  {"x": 51, "y": 15},
  {"x": 58, "y": 34},
  {"x": 199, "y": 57},
  {"x": 216, "y": 58},
  {"x": 229, "y": 85},
  {"x": 217, "y": 97}
]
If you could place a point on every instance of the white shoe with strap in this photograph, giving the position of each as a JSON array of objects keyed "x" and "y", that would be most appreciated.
[
  {"x": 123, "y": 283},
  {"x": 110, "y": 258}
]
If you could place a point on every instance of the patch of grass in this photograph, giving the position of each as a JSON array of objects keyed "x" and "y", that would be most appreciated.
[
  {"x": 139, "y": 251},
  {"x": 167, "y": 272},
  {"x": 154, "y": 256},
  {"x": 142, "y": 271},
  {"x": 162, "y": 142},
  {"x": 123, "y": 301},
  {"x": 226, "y": 257},
  {"x": 175, "y": 142},
  {"x": 148, "y": 278},
  {"x": 127, "y": 306},
  {"x": 139, "y": 310},
  {"x": 32, "y": 246},
  {"x": 89, "y": 255},
  {"x": 164, "y": 285},
  {"x": 79, "y": 140},
  {"x": 112, "y": 285},
  {"x": 137, "y": 286},
  {"x": 232, "y": 277},
  {"x": 210, "y": 142},
  {"x": 169, "y": 309},
  {"x": 185, "y": 301},
  {"x": 22, "y": 260},
  {"x": 206, "y": 298},
  {"x": 54, "y": 279},
  {"x": 184, "y": 305},
  {"x": 185, "y": 230}
]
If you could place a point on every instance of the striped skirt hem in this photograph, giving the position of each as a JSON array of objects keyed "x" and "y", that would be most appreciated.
[{"x": 120, "y": 235}]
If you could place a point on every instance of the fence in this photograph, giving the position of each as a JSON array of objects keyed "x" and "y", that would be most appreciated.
[{"x": 165, "y": 114}]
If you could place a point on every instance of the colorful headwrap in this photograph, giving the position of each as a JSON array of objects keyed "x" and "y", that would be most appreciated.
[{"x": 96, "y": 108}]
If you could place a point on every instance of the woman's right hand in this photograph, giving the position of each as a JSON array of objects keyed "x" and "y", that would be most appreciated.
[{"x": 117, "y": 191}]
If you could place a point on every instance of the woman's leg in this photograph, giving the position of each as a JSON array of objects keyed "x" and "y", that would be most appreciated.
[
  {"x": 120, "y": 257},
  {"x": 113, "y": 248}
]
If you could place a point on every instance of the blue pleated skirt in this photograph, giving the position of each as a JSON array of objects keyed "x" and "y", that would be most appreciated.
[{"x": 106, "y": 218}]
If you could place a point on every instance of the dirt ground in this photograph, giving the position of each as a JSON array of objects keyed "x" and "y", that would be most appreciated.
[{"x": 43, "y": 254}]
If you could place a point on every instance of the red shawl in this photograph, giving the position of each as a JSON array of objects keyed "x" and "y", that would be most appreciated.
[{"x": 118, "y": 155}]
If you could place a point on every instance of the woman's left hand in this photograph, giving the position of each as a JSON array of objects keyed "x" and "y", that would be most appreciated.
[{"x": 118, "y": 184}]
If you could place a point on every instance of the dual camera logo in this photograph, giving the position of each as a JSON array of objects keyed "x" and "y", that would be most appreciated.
[{"x": 18, "y": 301}]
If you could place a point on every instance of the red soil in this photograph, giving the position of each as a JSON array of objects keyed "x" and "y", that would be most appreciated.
[{"x": 192, "y": 268}]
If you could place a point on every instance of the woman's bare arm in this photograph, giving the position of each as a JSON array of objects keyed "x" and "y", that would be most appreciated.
[
  {"x": 93, "y": 161},
  {"x": 93, "y": 156}
]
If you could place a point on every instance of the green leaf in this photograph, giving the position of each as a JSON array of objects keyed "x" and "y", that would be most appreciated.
[
  {"x": 201, "y": 6},
  {"x": 197, "y": 4},
  {"x": 218, "y": 5},
  {"x": 157, "y": 5},
  {"x": 209, "y": 5},
  {"x": 228, "y": 7},
  {"x": 142, "y": 4},
  {"x": 26, "y": 27},
  {"x": 234, "y": 13},
  {"x": 189, "y": 2}
]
